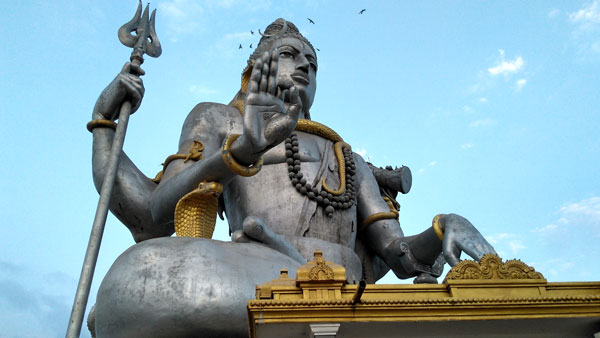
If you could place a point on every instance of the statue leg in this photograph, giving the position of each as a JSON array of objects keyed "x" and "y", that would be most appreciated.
[{"x": 184, "y": 287}]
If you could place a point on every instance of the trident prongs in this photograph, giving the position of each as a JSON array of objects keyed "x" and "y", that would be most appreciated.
[{"x": 145, "y": 40}]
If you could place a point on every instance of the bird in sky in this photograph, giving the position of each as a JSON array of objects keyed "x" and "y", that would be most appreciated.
[
  {"x": 362, "y": 11},
  {"x": 240, "y": 46},
  {"x": 318, "y": 50},
  {"x": 250, "y": 46},
  {"x": 309, "y": 20},
  {"x": 252, "y": 32}
]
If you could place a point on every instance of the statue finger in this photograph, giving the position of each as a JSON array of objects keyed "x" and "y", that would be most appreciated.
[
  {"x": 132, "y": 91},
  {"x": 265, "y": 73},
  {"x": 451, "y": 252},
  {"x": 136, "y": 69},
  {"x": 474, "y": 249},
  {"x": 295, "y": 104},
  {"x": 255, "y": 76},
  {"x": 272, "y": 80}
]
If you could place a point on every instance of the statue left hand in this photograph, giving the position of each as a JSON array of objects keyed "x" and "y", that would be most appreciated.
[{"x": 461, "y": 235}]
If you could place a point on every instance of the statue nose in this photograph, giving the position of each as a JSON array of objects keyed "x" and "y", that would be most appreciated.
[{"x": 303, "y": 64}]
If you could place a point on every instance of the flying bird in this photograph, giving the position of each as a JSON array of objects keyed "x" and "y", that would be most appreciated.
[
  {"x": 309, "y": 20},
  {"x": 251, "y": 32},
  {"x": 318, "y": 50},
  {"x": 240, "y": 46},
  {"x": 250, "y": 45},
  {"x": 362, "y": 11}
]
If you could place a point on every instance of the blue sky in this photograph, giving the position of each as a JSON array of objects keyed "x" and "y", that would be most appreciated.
[{"x": 493, "y": 106}]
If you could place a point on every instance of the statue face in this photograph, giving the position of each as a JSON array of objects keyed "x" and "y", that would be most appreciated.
[{"x": 298, "y": 64}]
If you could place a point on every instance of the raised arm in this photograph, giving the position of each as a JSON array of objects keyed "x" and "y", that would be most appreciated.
[
  {"x": 270, "y": 115},
  {"x": 131, "y": 193}
]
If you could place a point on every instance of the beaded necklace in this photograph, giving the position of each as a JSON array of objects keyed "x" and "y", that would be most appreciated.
[{"x": 341, "y": 199}]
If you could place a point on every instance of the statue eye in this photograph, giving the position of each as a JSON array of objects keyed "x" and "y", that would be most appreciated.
[
  {"x": 286, "y": 54},
  {"x": 313, "y": 66}
]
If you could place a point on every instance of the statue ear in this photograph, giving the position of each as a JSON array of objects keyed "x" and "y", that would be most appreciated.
[{"x": 246, "y": 77}]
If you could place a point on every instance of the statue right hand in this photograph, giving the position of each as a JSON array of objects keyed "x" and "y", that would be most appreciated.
[
  {"x": 267, "y": 122},
  {"x": 127, "y": 86}
]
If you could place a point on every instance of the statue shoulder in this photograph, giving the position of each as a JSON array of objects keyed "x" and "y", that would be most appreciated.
[{"x": 210, "y": 118}]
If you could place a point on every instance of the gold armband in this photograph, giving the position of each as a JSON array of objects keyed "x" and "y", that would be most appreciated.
[
  {"x": 100, "y": 123},
  {"x": 437, "y": 228},
  {"x": 233, "y": 165},
  {"x": 376, "y": 217}
]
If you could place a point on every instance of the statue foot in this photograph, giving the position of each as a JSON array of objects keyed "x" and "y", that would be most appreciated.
[{"x": 255, "y": 230}]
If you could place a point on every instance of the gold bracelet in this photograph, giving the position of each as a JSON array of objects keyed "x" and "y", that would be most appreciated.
[
  {"x": 233, "y": 165},
  {"x": 437, "y": 228},
  {"x": 101, "y": 123}
]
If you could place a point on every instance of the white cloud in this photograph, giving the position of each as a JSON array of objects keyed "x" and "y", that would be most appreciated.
[
  {"x": 482, "y": 123},
  {"x": 521, "y": 83},
  {"x": 582, "y": 216},
  {"x": 181, "y": 16},
  {"x": 587, "y": 21},
  {"x": 201, "y": 90},
  {"x": 466, "y": 145},
  {"x": 506, "y": 240},
  {"x": 507, "y": 67},
  {"x": 483, "y": 100},
  {"x": 432, "y": 163},
  {"x": 239, "y": 36},
  {"x": 589, "y": 15},
  {"x": 553, "y": 13},
  {"x": 361, "y": 151},
  {"x": 420, "y": 171},
  {"x": 467, "y": 109}
]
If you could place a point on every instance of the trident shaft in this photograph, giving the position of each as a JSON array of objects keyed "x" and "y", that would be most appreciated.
[{"x": 144, "y": 41}]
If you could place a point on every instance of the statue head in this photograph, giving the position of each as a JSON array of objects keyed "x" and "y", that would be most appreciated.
[{"x": 297, "y": 60}]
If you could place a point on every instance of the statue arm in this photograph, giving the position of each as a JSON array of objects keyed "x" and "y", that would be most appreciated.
[
  {"x": 210, "y": 124},
  {"x": 383, "y": 236},
  {"x": 131, "y": 192}
]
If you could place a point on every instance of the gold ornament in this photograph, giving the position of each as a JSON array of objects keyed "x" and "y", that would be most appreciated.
[
  {"x": 492, "y": 267},
  {"x": 435, "y": 223},
  {"x": 233, "y": 165},
  {"x": 101, "y": 123},
  {"x": 196, "y": 212}
]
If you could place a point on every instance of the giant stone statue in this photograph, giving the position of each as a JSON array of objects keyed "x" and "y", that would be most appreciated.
[{"x": 287, "y": 185}]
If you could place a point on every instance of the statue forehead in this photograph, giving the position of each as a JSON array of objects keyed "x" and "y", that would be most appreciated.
[{"x": 297, "y": 43}]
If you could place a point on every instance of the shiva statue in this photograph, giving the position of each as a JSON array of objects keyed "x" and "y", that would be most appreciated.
[{"x": 287, "y": 185}]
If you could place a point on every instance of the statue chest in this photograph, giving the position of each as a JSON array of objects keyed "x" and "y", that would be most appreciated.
[{"x": 272, "y": 196}]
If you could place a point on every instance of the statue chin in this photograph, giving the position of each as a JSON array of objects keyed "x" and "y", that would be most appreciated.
[{"x": 184, "y": 287}]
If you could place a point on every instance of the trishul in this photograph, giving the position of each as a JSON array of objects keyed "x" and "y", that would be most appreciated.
[{"x": 144, "y": 41}]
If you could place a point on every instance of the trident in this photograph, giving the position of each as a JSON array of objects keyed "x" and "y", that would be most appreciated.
[{"x": 144, "y": 41}]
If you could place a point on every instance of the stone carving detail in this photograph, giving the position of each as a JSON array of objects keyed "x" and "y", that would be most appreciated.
[
  {"x": 492, "y": 267},
  {"x": 321, "y": 271}
]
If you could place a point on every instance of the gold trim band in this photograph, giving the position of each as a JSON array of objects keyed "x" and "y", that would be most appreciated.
[
  {"x": 100, "y": 123},
  {"x": 376, "y": 217},
  {"x": 233, "y": 165},
  {"x": 435, "y": 223}
]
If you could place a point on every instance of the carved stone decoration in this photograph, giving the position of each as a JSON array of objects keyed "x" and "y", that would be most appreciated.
[
  {"x": 321, "y": 271},
  {"x": 492, "y": 267}
]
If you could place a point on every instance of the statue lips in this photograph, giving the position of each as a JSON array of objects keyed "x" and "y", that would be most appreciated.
[{"x": 300, "y": 77}]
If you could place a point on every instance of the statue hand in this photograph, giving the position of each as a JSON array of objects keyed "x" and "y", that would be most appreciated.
[
  {"x": 266, "y": 121},
  {"x": 127, "y": 86},
  {"x": 461, "y": 235}
]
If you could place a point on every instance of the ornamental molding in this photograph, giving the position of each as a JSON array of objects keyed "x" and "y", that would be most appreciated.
[
  {"x": 321, "y": 271},
  {"x": 491, "y": 267}
]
